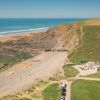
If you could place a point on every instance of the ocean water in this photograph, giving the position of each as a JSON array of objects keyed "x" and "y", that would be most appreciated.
[{"x": 13, "y": 26}]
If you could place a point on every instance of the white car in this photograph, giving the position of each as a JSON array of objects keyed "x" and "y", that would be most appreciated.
[{"x": 62, "y": 97}]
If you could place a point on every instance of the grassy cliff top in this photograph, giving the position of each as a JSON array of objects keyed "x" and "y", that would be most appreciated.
[
  {"x": 88, "y": 45},
  {"x": 90, "y": 22}
]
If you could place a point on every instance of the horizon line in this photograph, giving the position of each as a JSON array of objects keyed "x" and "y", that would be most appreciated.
[{"x": 49, "y": 17}]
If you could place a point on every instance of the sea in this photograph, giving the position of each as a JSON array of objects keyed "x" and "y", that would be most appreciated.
[{"x": 9, "y": 26}]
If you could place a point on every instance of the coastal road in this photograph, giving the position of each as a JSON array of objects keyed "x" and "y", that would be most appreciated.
[{"x": 23, "y": 75}]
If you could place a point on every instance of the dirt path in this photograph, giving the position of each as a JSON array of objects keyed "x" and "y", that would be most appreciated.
[
  {"x": 87, "y": 78},
  {"x": 69, "y": 82},
  {"x": 42, "y": 66},
  {"x": 68, "y": 93},
  {"x": 78, "y": 40},
  {"x": 68, "y": 96}
]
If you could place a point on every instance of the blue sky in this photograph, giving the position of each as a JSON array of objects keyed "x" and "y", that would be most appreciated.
[{"x": 49, "y": 8}]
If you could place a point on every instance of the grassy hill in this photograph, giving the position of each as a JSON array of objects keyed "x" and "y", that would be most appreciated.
[
  {"x": 90, "y": 22},
  {"x": 88, "y": 48}
]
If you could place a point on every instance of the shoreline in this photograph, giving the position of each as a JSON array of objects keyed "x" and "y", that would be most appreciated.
[
  {"x": 24, "y": 30},
  {"x": 4, "y": 38}
]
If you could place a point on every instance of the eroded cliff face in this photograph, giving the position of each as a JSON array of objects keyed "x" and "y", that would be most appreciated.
[{"x": 66, "y": 36}]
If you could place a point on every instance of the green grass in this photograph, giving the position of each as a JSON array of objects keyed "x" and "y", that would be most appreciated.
[
  {"x": 96, "y": 75},
  {"x": 35, "y": 96},
  {"x": 19, "y": 54},
  {"x": 84, "y": 22},
  {"x": 52, "y": 92},
  {"x": 85, "y": 90},
  {"x": 89, "y": 21},
  {"x": 52, "y": 79},
  {"x": 90, "y": 49},
  {"x": 8, "y": 60},
  {"x": 11, "y": 57},
  {"x": 70, "y": 71}
]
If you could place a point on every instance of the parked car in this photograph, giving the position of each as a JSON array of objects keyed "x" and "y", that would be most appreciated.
[{"x": 62, "y": 97}]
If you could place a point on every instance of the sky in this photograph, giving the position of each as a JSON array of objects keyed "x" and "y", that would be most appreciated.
[{"x": 49, "y": 8}]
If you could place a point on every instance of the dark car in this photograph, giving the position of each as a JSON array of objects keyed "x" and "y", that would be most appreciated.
[
  {"x": 63, "y": 94},
  {"x": 63, "y": 89}
]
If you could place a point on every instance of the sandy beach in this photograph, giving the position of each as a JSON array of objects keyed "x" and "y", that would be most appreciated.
[{"x": 13, "y": 36}]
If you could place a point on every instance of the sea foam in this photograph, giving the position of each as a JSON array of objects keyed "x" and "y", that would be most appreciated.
[{"x": 5, "y": 33}]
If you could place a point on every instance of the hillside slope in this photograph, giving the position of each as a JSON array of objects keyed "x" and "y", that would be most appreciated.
[
  {"x": 90, "y": 22},
  {"x": 88, "y": 48}
]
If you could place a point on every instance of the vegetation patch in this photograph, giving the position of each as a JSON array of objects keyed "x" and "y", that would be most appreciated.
[
  {"x": 19, "y": 54},
  {"x": 86, "y": 90},
  {"x": 90, "y": 48},
  {"x": 96, "y": 75},
  {"x": 83, "y": 22},
  {"x": 70, "y": 71},
  {"x": 91, "y": 21},
  {"x": 52, "y": 92},
  {"x": 11, "y": 57},
  {"x": 52, "y": 79}
]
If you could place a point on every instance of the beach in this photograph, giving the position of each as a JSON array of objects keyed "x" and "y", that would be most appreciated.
[{"x": 16, "y": 34}]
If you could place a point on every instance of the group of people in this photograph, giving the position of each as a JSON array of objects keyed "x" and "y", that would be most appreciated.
[{"x": 63, "y": 90}]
